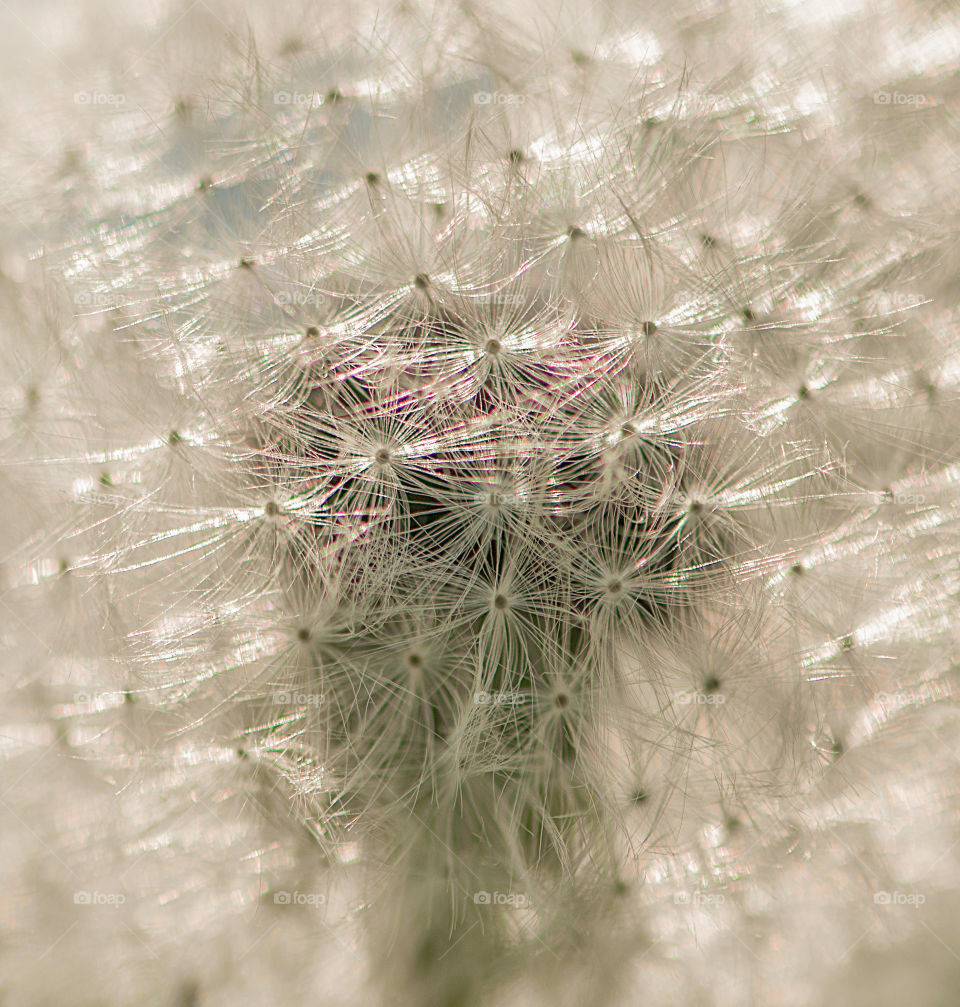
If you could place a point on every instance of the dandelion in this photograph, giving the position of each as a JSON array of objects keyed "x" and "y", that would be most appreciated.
[{"x": 481, "y": 494}]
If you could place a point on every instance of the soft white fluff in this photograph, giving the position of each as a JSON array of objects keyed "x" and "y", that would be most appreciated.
[{"x": 480, "y": 492}]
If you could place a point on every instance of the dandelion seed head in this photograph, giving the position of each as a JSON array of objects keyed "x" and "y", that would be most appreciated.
[{"x": 497, "y": 463}]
